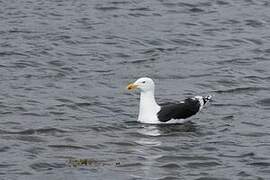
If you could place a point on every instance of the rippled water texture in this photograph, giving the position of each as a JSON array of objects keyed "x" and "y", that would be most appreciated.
[{"x": 64, "y": 67}]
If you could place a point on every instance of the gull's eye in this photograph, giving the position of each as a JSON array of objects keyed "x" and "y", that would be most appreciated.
[{"x": 143, "y": 82}]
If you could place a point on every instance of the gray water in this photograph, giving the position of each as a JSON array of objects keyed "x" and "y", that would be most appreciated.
[{"x": 64, "y": 66}]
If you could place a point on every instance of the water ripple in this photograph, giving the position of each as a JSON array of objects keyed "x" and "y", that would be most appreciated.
[
  {"x": 34, "y": 131},
  {"x": 65, "y": 65},
  {"x": 41, "y": 166}
]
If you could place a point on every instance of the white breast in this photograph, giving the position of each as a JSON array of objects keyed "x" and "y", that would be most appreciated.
[{"x": 148, "y": 108}]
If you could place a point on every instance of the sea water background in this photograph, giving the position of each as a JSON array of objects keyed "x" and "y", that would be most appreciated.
[{"x": 64, "y": 65}]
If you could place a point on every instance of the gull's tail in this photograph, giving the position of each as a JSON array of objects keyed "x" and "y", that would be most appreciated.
[{"x": 206, "y": 99}]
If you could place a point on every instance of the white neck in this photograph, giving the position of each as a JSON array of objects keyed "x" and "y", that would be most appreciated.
[{"x": 148, "y": 107}]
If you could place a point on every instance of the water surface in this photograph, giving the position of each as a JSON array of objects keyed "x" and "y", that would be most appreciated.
[{"x": 64, "y": 66}]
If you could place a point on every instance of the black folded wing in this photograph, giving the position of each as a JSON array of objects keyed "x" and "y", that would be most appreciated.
[{"x": 179, "y": 111}]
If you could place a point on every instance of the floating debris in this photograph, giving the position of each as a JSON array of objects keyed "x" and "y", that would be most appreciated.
[{"x": 90, "y": 163}]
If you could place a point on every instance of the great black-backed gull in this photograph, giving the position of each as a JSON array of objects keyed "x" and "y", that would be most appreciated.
[{"x": 152, "y": 113}]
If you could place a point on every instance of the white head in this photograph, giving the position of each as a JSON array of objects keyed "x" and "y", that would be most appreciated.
[{"x": 144, "y": 84}]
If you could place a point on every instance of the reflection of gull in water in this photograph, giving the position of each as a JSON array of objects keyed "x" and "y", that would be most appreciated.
[
  {"x": 146, "y": 148},
  {"x": 148, "y": 142},
  {"x": 150, "y": 131},
  {"x": 165, "y": 130},
  {"x": 152, "y": 139}
]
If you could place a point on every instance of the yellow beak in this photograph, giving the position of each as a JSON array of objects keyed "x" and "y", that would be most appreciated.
[{"x": 132, "y": 86}]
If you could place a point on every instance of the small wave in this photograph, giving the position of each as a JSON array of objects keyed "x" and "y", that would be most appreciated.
[
  {"x": 230, "y": 117},
  {"x": 254, "y": 23},
  {"x": 95, "y": 146},
  {"x": 56, "y": 14},
  {"x": 254, "y": 134},
  {"x": 196, "y": 10},
  {"x": 168, "y": 148},
  {"x": 253, "y": 124},
  {"x": 34, "y": 114},
  {"x": 34, "y": 131},
  {"x": 56, "y": 63},
  {"x": 254, "y": 41},
  {"x": 241, "y": 90},
  {"x": 250, "y": 154},
  {"x": 243, "y": 174},
  {"x": 235, "y": 41},
  {"x": 227, "y": 143},
  {"x": 6, "y": 165},
  {"x": 66, "y": 146},
  {"x": 12, "y": 53},
  {"x": 202, "y": 164},
  {"x": 236, "y": 61},
  {"x": 42, "y": 166},
  {"x": 119, "y": 2},
  {"x": 171, "y": 166},
  {"x": 189, "y": 42},
  {"x": 210, "y": 178},
  {"x": 260, "y": 164},
  {"x": 136, "y": 164},
  {"x": 4, "y": 149},
  {"x": 24, "y": 64},
  {"x": 180, "y": 4},
  {"x": 256, "y": 78},
  {"x": 122, "y": 144},
  {"x": 79, "y": 54},
  {"x": 220, "y": 2},
  {"x": 138, "y": 61},
  {"x": 83, "y": 104},
  {"x": 63, "y": 100},
  {"x": 99, "y": 128},
  {"x": 106, "y": 8},
  {"x": 27, "y": 138},
  {"x": 140, "y": 9},
  {"x": 169, "y": 178},
  {"x": 185, "y": 158},
  {"x": 230, "y": 105},
  {"x": 264, "y": 102}
]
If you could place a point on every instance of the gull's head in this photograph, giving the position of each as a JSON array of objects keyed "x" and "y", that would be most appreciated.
[{"x": 144, "y": 84}]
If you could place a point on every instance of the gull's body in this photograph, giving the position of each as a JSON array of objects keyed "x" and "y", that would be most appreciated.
[{"x": 152, "y": 113}]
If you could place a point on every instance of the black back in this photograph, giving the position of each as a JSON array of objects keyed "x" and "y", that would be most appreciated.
[{"x": 179, "y": 111}]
